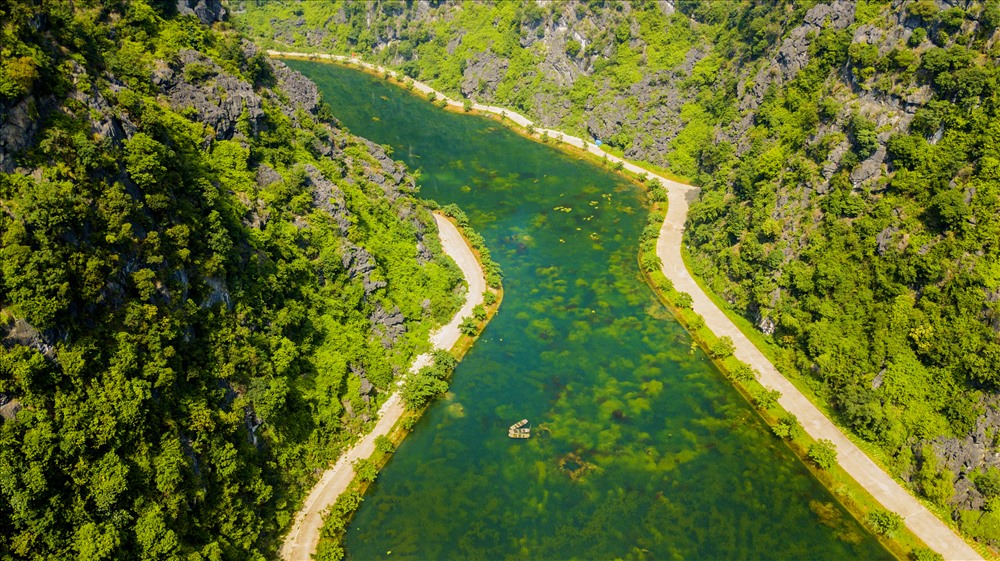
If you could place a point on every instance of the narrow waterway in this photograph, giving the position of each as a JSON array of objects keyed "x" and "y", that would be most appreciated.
[{"x": 640, "y": 448}]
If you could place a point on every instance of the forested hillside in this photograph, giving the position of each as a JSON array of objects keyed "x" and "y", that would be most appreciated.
[
  {"x": 207, "y": 285},
  {"x": 849, "y": 157}
]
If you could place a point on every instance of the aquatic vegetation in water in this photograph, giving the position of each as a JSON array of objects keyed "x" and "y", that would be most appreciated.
[{"x": 640, "y": 449}]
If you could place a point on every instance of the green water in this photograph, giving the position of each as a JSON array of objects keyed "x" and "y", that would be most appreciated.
[{"x": 640, "y": 448}]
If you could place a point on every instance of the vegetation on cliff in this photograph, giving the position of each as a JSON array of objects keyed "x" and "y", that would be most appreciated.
[{"x": 207, "y": 285}]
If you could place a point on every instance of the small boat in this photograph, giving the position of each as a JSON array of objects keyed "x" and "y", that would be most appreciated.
[{"x": 518, "y": 430}]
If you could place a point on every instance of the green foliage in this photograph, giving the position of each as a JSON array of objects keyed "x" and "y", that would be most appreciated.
[
  {"x": 365, "y": 469},
  {"x": 823, "y": 453},
  {"x": 384, "y": 444},
  {"x": 884, "y": 522},
  {"x": 723, "y": 347},
  {"x": 194, "y": 332},
  {"x": 787, "y": 427},
  {"x": 925, "y": 554}
]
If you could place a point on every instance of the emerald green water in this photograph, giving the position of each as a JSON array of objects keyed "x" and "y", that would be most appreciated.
[{"x": 640, "y": 448}]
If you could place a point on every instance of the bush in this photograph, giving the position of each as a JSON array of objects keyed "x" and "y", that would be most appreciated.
[
  {"x": 787, "y": 427},
  {"x": 925, "y": 554},
  {"x": 479, "y": 312},
  {"x": 823, "y": 453},
  {"x": 765, "y": 398},
  {"x": 684, "y": 300},
  {"x": 365, "y": 469},
  {"x": 489, "y": 298},
  {"x": 384, "y": 444},
  {"x": 469, "y": 327},
  {"x": 723, "y": 347},
  {"x": 884, "y": 522}
]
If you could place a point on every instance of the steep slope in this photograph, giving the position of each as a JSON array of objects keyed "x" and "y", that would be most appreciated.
[
  {"x": 847, "y": 157},
  {"x": 207, "y": 285}
]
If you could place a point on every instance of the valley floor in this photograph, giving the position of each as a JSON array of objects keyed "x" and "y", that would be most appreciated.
[{"x": 924, "y": 524}]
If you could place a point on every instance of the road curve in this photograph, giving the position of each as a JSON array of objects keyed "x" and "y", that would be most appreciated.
[
  {"x": 301, "y": 541},
  {"x": 929, "y": 528}
]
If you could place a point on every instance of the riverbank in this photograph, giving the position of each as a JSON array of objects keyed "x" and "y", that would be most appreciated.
[
  {"x": 302, "y": 539},
  {"x": 868, "y": 476}
]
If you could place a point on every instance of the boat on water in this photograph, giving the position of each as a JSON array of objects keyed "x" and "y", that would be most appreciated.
[{"x": 519, "y": 430}]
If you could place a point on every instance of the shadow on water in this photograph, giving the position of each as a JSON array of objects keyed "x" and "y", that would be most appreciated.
[{"x": 640, "y": 449}]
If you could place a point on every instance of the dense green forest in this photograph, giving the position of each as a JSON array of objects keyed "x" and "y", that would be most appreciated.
[
  {"x": 207, "y": 284},
  {"x": 850, "y": 172}
]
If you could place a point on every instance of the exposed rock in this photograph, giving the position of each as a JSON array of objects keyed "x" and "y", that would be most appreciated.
[
  {"x": 24, "y": 334},
  {"x": 219, "y": 101},
  {"x": 266, "y": 176},
  {"x": 328, "y": 197},
  {"x": 208, "y": 11},
  {"x": 358, "y": 261},
  {"x": 9, "y": 407},
  {"x": 869, "y": 169},
  {"x": 794, "y": 51},
  {"x": 483, "y": 74},
  {"x": 883, "y": 239},
  {"x": 972, "y": 453},
  {"x": 18, "y": 125},
  {"x": 219, "y": 294},
  {"x": 388, "y": 326},
  {"x": 301, "y": 91}
]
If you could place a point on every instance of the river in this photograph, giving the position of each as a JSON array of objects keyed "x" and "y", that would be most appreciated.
[{"x": 640, "y": 449}]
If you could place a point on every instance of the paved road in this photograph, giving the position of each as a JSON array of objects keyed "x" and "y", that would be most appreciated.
[
  {"x": 874, "y": 479},
  {"x": 302, "y": 539}
]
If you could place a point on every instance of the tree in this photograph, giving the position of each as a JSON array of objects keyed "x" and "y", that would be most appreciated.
[
  {"x": 884, "y": 522},
  {"x": 823, "y": 453},
  {"x": 365, "y": 469},
  {"x": 723, "y": 347}
]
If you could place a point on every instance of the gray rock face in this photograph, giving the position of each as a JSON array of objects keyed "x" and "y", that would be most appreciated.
[
  {"x": 219, "y": 99},
  {"x": 328, "y": 197},
  {"x": 388, "y": 326},
  {"x": 358, "y": 261},
  {"x": 208, "y": 11},
  {"x": 483, "y": 74},
  {"x": 18, "y": 127},
  {"x": 9, "y": 406},
  {"x": 301, "y": 91},
  {"x": 24, "y": 334},
  {"x": 973, "y": 453},
  {"x": 794, "y": 51},
  {"x": 266, "y": 176}
]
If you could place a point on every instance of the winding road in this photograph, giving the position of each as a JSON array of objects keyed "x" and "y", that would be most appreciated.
[
  {"x": 301, "y": 541},
  {"x": 887, "y": 491}
]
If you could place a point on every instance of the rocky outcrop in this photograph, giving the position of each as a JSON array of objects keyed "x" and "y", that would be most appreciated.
[
  {"x": 483, "y": 73},
  {"x": 387, "y": 326},
  {"x": 329, "y": 197},
  {"x": 971, "y": 454},
  {"x": 219, "y": 99},
  {"x": 24, "y": 334},
  {"x": 794, "y": 51},
  {"x": 208, "y": 11},
  {"x": 358, "y": 262}
]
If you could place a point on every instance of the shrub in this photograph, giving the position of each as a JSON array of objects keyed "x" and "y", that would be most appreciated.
[
  {"x": 823, "y": 453},
  {"x": 723, "y": 347},
  {"x": 884, "y": 522},
  {"x": 384, "y": 444}
]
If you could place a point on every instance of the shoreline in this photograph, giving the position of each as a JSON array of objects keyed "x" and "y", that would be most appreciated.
[
  {"x": 304, "y": 535},
  {"x": 866, "y": 474}
]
